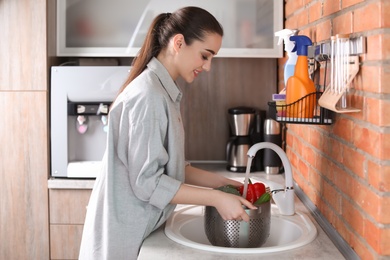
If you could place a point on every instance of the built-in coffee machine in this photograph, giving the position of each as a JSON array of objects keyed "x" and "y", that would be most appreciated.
[
  {"x": 79, "y": 106},
  {"x": 246, "y": 129}
]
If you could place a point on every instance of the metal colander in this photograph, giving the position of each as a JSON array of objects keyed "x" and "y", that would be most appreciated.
[{"x": 240, "y": 234}]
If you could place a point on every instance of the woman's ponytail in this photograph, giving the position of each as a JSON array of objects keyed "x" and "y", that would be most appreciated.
[{"x": 149, "y": 49}]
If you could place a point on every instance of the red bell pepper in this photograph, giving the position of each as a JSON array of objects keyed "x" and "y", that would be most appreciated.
[
  {"x": 259, "y": 188},
  {"x": 250, "y": 194},
  {"x": 254, "y": 191}
]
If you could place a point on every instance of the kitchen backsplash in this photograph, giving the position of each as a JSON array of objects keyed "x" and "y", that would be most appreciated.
[{"x": 344, "y": 168}]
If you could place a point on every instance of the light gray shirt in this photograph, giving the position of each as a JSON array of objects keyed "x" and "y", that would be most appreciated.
[{"x": 143, "y": 167}]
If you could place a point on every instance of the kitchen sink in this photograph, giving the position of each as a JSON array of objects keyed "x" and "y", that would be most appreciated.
[{"x": 186, "y": 227}]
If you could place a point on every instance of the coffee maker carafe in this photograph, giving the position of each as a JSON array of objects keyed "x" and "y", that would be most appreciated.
[{"x": 241, "y": 121}]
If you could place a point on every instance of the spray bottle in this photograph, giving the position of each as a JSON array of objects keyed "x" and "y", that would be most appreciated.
[
  {"x": 289, "y": 67},
  {"x": 300, "y": 85}
]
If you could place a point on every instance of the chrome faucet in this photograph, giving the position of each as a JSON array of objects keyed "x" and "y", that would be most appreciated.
[{"x": 284, "y": 199}]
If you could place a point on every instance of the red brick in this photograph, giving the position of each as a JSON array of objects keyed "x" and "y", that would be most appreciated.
[
  {"x": 305, "y": 133},
  {"x": 368, "y": 79},
  {"x": 343, "y": 128},
  {"x": 379, "y": 176},
  {"x": 303, "y": 169},
  {"x": 324, "y": 31},
  {"x": 311, "y": 157},
  {"x": 292, "y": 156},
  {"x": 344, "y": 181},
  {"x": 373, "y": 204},
  {"x": 328, "y": 212},
  {"x": 384, "y": 210},
  {"x": 315, "y": 11},
  {"x": 291, "y": 22},
  {"x": 385, "y": 79},
  {"x": 368, "y": 17},
  {"x": 343, "y": 24},
  {"x": 305, "y": 151},
  {"x": 329, "y": 170},
  {"x": 343, "y": 228},
  {"x": 377, "y": 237},
  {"x": 302, "y": 18},
  {"x": 331, "y": 195},
  {"x": 368, "y": 140},
  {"x": 356, "y": 101},
  {"x": 363, "y": 250},
  {"x": 335, "y": 150},
  {"x": 386, "y": 13},
  {"x": 377, "y": 111},
  {"x": 353, "y": 216},
  {"x": 347, "y": 3},
  {"x": 323, "y": 166},
  {"x": 378, "y": 47},
  {"x": 331, "y": 7},
  {"x": 385, "y": 149},
  {"x": 316, "y": 181},
  {"x": 354, "y": 161},
  {"x": 291, "y": 6},
  {"x": 316, "y": 138}
]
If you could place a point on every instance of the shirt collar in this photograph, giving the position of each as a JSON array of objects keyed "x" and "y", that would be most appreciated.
[{"x": 165, "y": 79}]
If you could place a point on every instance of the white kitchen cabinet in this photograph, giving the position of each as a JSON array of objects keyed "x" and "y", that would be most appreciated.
[{"x": 117, "y": 28}]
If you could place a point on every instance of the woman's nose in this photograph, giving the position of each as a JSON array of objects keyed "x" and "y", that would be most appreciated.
[{"x": 207, "y": 65}]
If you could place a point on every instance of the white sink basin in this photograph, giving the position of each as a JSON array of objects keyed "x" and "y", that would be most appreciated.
[{"x": 186, "y": 227}]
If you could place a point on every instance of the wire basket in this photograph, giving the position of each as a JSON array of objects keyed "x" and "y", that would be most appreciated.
[
  {"x": 239, "y": 234},
  {"x": 303, "y": 111}
]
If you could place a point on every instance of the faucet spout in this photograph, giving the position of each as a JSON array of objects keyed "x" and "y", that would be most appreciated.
[{"x": 284, "y": 200}]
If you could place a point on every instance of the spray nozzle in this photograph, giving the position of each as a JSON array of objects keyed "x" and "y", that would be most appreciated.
[
  {"x": 284, "y": 35},
  {"x": 301, "y": 44}
]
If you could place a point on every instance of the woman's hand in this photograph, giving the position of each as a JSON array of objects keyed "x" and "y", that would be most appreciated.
[{"x": 230, "y": 206}]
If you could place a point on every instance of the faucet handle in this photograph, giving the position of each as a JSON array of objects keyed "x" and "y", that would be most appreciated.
[{"x": 285, "y": 202}]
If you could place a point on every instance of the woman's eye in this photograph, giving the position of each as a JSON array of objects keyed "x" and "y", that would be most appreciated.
[{"x": 204, "y": 57}]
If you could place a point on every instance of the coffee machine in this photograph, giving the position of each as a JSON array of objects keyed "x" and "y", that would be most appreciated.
[{"x": 246, "y": 126}]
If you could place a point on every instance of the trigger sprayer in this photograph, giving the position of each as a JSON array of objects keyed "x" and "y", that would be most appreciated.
[
  {"x": 289, "y": 67},
  {"x": 301, "y": 85}
]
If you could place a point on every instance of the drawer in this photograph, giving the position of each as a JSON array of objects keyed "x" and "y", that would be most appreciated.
[
  {"x": 65, "y": 241},
  {"x": 68, "y": 206}
]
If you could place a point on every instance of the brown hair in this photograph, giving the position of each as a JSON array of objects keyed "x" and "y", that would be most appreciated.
[{"x": 192, "y": 22}]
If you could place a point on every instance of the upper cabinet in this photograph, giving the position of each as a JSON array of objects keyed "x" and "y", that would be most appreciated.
[{"x": 117, "y": 28}]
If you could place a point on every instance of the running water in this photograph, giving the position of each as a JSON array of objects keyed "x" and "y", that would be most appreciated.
[{"x": 246, "y": 182}]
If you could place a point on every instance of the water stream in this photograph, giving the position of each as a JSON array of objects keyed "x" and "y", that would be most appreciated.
[{"x": 246, "y": 181}]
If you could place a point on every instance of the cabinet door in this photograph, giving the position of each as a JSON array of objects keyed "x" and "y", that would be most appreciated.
[
  {"x": 67, "y": 215},
  {"x": 68, "y": 206},
  {"x": 65, "y": 241},
  {"x": 117, "y": 28}
]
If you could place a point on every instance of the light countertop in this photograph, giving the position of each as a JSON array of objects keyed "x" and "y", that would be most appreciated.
[{"x": 159, "y": 246}]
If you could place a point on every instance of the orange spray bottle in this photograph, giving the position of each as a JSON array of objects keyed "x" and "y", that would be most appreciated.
[{"x": 300, "y": 85}]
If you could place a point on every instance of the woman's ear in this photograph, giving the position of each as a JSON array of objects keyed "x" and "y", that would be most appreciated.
[{"x": 178, "y": 41}]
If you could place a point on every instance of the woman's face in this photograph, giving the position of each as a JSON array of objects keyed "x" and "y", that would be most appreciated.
[{"x": 195, "y": 58}]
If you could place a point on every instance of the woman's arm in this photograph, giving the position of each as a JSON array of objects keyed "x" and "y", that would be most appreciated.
[
  {"x": 199, "y": 177},
  {"x": 228, "y": 205}
]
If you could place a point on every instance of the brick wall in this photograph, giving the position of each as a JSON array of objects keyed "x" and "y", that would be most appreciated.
[{"x": 344, "y": 168}]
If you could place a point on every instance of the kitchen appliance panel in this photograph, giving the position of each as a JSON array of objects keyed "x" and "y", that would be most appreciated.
[{"x": 77, "y": 146}]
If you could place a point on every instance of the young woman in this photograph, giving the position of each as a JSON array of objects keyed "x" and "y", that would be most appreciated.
[{"x": 145, "y": 174}]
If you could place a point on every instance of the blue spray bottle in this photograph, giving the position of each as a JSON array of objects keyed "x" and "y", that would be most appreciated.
[{"x": 289, "y": 67}]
